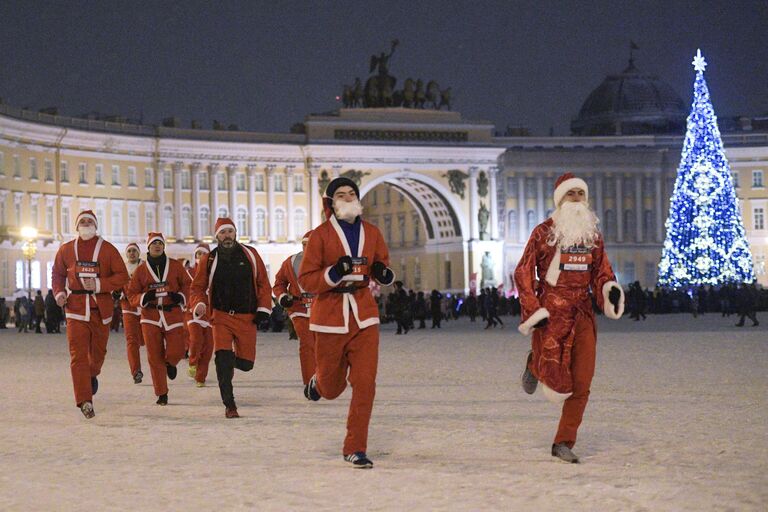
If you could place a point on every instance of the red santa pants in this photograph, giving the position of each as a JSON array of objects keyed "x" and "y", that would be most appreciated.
[
  {"x": 163, "y": 346},
  {"x": 306, "y": 347},
  {"x": 236, "y": 331},
  {"x": 200, "y": 349},
  {"x": 582, "y": 369},
  {"x": 133, "y": 340},
  {"x": 87, "y": 350},
  {"x": 357, "y": 354}
]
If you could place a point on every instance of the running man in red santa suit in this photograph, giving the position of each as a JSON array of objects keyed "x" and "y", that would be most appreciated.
[
  {"x": 200, "y": 333},
  {"x": 297, "y": 302},
  {"x": 231, "y": 284},
  {"x": 160, "y": 287},
  {"x": 568, "y": 254},
  {"x": 342, "y": 255},
  {"x": 132, "y": 318},
  {"x": 85, "y": 272}
]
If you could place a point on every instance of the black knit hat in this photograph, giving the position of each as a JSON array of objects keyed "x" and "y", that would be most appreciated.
[{"x": 341, "y": 182}]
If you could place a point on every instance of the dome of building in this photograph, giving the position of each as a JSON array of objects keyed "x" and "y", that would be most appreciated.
[{"x": 631, "y": 103}]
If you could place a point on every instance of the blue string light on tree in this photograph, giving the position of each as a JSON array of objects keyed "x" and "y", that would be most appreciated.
[{"x": 706, "y": 241}]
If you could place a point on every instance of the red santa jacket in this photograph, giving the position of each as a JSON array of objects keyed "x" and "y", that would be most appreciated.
[
  {"x": 174, "y": 279},
  {"x": 78, "y": 257},
  {"x": 286, "y": 283},
  {"x": 202, "y": 320},
  {"x": 203, "y": 281},
  {"x": 125, "y": 306},
  {"x": 330, "y": 310},
  {"x": 562, "y": 294}
]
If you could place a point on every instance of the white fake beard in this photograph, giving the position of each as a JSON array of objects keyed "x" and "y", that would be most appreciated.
[
  {"x": 347, "y": 211},
  {"x": 86, "y": 232},
  {"x": 574, "y": 224}
]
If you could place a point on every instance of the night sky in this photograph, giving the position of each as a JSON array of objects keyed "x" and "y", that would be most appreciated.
[{"x": 265, "y": 65}]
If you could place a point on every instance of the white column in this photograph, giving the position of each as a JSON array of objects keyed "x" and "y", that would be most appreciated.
[
  {"x": 160, "y": 180},
  {"x": 195, "y": 175},
  {"x": 659, "y": 219},
  {"x": 492, "y": 172},
  {"x": 213, "y": 174},
  {"x": 271, "y": 203},
  {"x": 619, "y": 209},
  {"x": 639, "y": 207},
  {"x": 598, "y": 195},
  {"x": 252, "y": 200},
  {"x": 289, "y": 170},
  {"x": 522, "y": 213},
  {"x": 540, "y": 198},
  {"x": 177, "y": 167},
  {"x": 232, "y": 196},
  {"x": 315, "y": 201},
  {"x": 474, "y": 207}
]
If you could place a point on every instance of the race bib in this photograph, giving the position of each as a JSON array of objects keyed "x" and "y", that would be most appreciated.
[
  {"x": 87, "y": 269},
  {"x": 576, "y": 259},
  {"x": 307, "y": 299},
  {"x": 359, "y": 269},
  {"x": 161, "y": 288}
]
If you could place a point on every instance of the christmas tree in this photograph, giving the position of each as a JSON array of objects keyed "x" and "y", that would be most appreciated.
[{"x": 706, "y": 242}]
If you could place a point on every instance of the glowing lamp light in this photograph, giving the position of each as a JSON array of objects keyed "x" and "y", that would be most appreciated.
[{"x": 28, "y": 233}]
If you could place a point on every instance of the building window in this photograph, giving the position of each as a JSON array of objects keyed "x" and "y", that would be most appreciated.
[
  {"x": 115, "y": 175},
  {"x": 33, "y": 169},
  {"x": 400, "y": 197},
  {"x": 65, "y": 220},
  {"x": 448, "y": 281},
  {"x": 649, "y": 224},
  {"x": 49, "y": 217},
  {"x": 82, "y": 173},
  {"x": 261, "y": 224},
  {"x": 133, "y": 222},
  {"x": 629, "y": 272},
  {"x": 149, "y": 220},
  {"x": 2, "y": 213},
  {"x": 298, "y": 183},
  {"x": 511, "y": 186},
  {"x": 185, "y": 180},
  {"x": 401, "y": 228},
  {"x": 278, "y": 182},
  {"x": 205, "y": 220},
  {"x": 387, "y": 195},
  {"x": 167, "y": 180},
  {"x": 35, "y": 216},
  {"x": 149, "y": 177},
  {"x": 530, "y": 188},
  {"x": 221, "y": 181},
  {"x": 650, "y": 273},
  {"x": 416, "y": 229},
  {"x": 168, "y": 221},
  {"x": 531, "y": 220},
  {"x": 49, "y": 274},
  {"x": 22, "y": 276},
  {"x": 417, "y": 274},
  {"x": 735, "y": 178},
  {"x": 186, "y": 222},
  {"x": 374, "y": 198},
  {"x": 16, "y": 166},
  {"x": 131, "y": 176},
  {"x": 2, "y": 164},
  {"x": 117, "y": 220},
  {"x": 48, "y": 169},
  {"x": 64, "y": 172},
  {"x": 202, "y": 180},
  {"x": 610, "y": 225},
  {"x": 759, "y": 215},
  {"x": 99, "y": 174},
  {"x": 222, "y": 212},
  {"x": 240, "y": 222},
  {"x": 629, "y": 225},
  {"x": 299, "y": 221},
  {"x": 279, "y": 224},
  {"x": 259, "y": 182},
  {"x": 757, "y": 179},
  {"x": 388, "y": 228},
  {"x": 512, "y": 231},
  {"x": 240, "y": 179},
  {"x": 17, "y": 213}
]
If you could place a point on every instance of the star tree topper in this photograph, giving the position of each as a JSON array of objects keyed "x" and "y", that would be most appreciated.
[{"x": 699, "y": 64}]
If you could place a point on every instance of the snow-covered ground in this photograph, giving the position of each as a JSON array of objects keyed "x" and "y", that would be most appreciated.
[{"x": 678, "y": 420}]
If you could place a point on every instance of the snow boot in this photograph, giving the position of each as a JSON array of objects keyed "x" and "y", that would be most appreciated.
[
  {"x": 562, "y": 452},
  {"x": 87, "y": 409},
  {"x": 528, "y": 380}
]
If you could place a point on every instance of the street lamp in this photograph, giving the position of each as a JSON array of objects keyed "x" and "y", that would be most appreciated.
[{"x": 29, "y": 249}]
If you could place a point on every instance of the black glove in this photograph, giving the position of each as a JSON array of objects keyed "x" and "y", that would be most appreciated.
[
  {"x": 613, "y": 297},
  {"x": 150, "y": 296},
  {"x": 260, "y": 317},
  {"x": 343, "y": 266},
  {"x": 381, "y": 273},
  {"x": 175, "y": 297},
  {"x": 541, "y": 323},
  {"x": 116, "y": 295},
  {"x": 286, "y": 301}
]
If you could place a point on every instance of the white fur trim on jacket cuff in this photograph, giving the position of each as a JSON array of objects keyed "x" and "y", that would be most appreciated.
[
  {"x": 526, "y": 327},
  {"x": 281, "y": 297},
  {"x": 194, "y": 311},
  {"x": 328, "y": 279},
  {"x": 61, "y": 294},
  {"x": 553, "y": 396},
  {"x": 264, "y": 310},
  {"x": 607, "y": 306},
  {"x": 184, "y": 300}
]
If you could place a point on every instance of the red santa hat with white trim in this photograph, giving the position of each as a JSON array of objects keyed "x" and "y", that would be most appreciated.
[
  {"x": 86, "y": 214},
  {"x": 153, "y": 237},
  {"x": 202, "y": 247},
  {"x": 567, "y": 182},
  {"x": 132, "y": 244},
  {"x": 222, "y": 223}
]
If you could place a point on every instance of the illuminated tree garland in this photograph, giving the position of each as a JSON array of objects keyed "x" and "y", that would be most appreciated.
[{"x": 706, "y": 241}]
